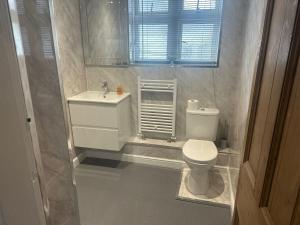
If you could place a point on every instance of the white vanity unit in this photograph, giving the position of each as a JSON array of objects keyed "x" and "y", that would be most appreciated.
[{"x": 100, "y": 122}]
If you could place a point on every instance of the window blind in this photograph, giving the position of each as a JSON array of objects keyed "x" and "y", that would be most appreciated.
[{"x": 175, "y": 31}]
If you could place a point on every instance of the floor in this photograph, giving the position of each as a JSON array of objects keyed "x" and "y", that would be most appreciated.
[{"x": 121, "y": 193}]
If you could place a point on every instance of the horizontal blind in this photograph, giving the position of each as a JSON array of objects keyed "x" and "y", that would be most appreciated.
[{"x": 175, "y": 31}]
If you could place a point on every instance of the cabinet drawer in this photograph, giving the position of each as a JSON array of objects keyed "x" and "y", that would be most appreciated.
[
  {"x": 98, "y": 138},
  {"x": 87, "y": 114}
]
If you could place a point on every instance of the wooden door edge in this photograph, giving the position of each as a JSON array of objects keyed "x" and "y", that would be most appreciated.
[{"x": 290, "y": 73}]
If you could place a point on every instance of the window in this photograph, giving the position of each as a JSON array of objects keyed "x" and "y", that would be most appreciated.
[{"x": 175, "y": 31}]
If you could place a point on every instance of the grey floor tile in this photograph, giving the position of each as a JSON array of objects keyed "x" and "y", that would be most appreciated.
[{"x": 136, "y": 194}]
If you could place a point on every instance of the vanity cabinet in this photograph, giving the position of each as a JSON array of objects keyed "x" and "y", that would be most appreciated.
[{"x": 100, "y": 123}]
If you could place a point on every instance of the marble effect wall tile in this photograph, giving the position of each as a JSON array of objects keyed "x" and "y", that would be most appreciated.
[
  {"x": 223, "y": 159},
  {"x": 214, "y": 87},
  {"x": 62, "y": 198},
  {"x": 234, "y": 175},
  {"x": 70, "y": 60},
  {"x": 151, "y": 151},
  {"x": 251, "y": 46},
  {"x": 234, "y": 160},
  {"x": 44, "y": 85},
  {"x": 249, "y": 59},
  {"x": 69, "y": 53},
  {"x": 167, "y": 153}
]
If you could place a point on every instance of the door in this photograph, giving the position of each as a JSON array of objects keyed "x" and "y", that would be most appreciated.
[
  {"x": 268, "y": 191},
  {"x": 20, "y": 196}
]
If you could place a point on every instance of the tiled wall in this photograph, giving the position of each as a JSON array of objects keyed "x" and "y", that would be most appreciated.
[
  {"x": 40, "y": 66},
  {"x": 251, "y": 47},
  {"x": 66, "y": 19},
  {"x": 227, "y": 87},
  {"x": 213, "y": 87},
  {"x": 69, "y": 52}
]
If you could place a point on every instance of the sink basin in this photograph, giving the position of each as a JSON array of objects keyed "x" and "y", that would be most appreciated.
[
  {"x": 100, "y": 122},
  {"x": 98, "y": 96}
]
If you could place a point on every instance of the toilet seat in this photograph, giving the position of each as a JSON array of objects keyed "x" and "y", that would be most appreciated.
[{"x": 200, "y": 151}]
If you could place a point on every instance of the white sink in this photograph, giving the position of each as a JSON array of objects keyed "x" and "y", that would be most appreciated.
[
  {"x": 100, "y": 122},
  {"x": 98, "y": 96}
]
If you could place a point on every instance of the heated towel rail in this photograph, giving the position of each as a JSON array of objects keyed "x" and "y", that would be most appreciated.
[{"x": 157, "y": 117}]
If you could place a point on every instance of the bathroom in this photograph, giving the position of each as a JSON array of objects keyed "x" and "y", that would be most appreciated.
[{"x": 138, "y": 110}]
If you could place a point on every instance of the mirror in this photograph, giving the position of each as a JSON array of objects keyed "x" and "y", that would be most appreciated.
[{"x": 104, "y": 25}]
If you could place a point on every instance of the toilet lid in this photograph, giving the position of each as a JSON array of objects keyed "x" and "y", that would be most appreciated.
[{"x": 200, "y": 151}]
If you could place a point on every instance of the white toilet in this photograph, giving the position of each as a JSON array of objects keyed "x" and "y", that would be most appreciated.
[{"x": 199, "y": 152}]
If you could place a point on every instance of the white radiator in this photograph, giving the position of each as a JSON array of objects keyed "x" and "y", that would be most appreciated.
[{"x": 156, "y": 117}]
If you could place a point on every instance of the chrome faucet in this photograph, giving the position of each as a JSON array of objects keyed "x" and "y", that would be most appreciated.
[{"x": 105, "y": 88}]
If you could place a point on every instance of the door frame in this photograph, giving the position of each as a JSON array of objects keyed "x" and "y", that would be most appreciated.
[{"x": 285, "y": 89}]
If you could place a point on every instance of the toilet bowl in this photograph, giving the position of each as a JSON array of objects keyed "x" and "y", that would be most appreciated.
[{"x": 200, "y": 156}]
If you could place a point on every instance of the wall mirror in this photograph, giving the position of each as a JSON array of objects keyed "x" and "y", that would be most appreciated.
[
  {"x": 145, "y": 32},
  {"x": 104, "y": 25}
]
